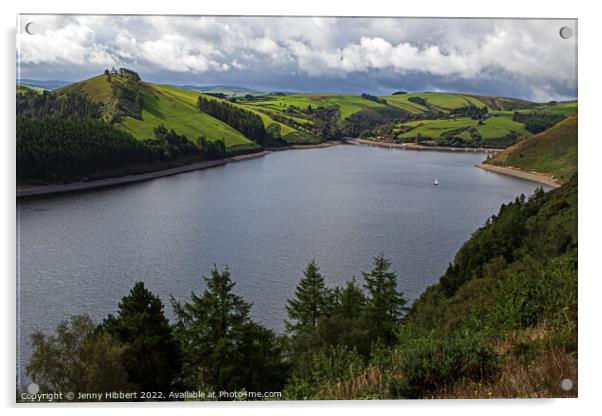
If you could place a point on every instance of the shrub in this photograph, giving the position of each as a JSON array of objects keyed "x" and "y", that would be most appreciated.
[{"x": 429, "y": 365}]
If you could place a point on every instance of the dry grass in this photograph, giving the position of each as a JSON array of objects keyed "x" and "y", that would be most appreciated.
[
  {"x": 369, "y": 384},
  {"x": 537, "y": 379}
]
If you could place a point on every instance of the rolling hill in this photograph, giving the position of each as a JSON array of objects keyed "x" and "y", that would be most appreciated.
[
  {"x": 430, "y": 118},
  {"x": 158, "y": 104},
  {"x": 553, "y": 151},
  {"x": 293, "y": 130}
]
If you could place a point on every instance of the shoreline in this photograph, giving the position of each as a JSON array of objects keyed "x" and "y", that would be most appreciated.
[
  {"x": 42, "y": 190},
  {"x": 305, "y": 146},
  {"x": 414, "y": 146},
  {"x": 522, "y": 174}
]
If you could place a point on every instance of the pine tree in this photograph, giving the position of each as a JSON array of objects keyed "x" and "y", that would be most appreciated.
[
  {"x": 385, "y": 305},
  {"x": 152, "y": 356},
  {"x": 352, "y": 300},
  {"x": 312, "y": 301},
  {"x": 223, "y": 348}
]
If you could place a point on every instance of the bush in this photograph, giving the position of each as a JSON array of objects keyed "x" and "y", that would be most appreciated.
[{"x": 429, "y": 365}]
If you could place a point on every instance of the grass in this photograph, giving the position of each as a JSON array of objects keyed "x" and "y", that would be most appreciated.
[
  {"x": 553, "y": 151},
  {"x": 565, "y": 109},
  {"x": 440, "y": 101},
  {"x": 435, "y": 128},
  {"x": 495, "y": 127},
  {"x": 24, "y": 89},
  {"x": 290, "y": 134},
  {"x": 347, "y": 103},
  {"x": 492, "y": 128},
  {"x": 171, "y": 106}
]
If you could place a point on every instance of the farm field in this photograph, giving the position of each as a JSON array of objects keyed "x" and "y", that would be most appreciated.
[
  {"x": 491, "y": 128},
  {"x": 347, "y": 103}
]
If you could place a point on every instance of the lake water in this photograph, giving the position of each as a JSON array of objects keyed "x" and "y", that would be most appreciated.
[{"x": 266, "y": 218}]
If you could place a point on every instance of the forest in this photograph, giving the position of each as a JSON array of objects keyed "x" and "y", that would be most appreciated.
[
  {"x": 62, "y": 149},
  {"x": 501, "y": 322},
  {"x": 246, "y": 122}
]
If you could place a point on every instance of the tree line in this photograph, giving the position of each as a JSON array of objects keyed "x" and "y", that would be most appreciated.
[
  {"x": 537, "y": 121},
  {"x": 59, "y": 149},
  {"x": 516, "y": 276},
  {"x": 246, "y": 122},
  {"x": 213, "y": 343},
  {"x": 52, "y": 105}
]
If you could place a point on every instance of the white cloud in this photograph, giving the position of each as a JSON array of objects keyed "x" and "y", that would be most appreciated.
[{"x": 529, "y": 50}]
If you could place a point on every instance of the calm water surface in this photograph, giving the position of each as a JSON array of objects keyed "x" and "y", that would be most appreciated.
[{"x": 264, "y": 218}]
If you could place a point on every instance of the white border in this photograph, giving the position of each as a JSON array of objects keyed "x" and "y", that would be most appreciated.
[{"x": 590, "y": 140}]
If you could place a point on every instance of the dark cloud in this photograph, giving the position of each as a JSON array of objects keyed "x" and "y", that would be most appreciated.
[{"x": 522, "y": 58}]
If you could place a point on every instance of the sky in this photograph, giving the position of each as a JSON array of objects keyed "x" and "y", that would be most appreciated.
[{"x": 525, "y": 58}]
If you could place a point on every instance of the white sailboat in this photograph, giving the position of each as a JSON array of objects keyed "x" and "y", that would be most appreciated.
[{"x": 436, "y": 182}]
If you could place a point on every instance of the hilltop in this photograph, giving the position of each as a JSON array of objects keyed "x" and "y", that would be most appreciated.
[
  {"x": 137, "y": 107},
  {"x": 552, "y": 152}
]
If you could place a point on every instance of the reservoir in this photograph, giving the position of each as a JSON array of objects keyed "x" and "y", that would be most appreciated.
[{"x": 264, "y": 218}]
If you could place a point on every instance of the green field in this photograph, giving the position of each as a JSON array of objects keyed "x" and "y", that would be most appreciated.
[
  {"x": 347, "y": 103},
  {"x": 24, "y": 89},
  {"x": 492, "y": 128},
  {"x": 171, "y": 106},
  {"x": 289, "y": 133},
  {"x": 552, "y": 151},
  {"x": 564, "y": 109}
]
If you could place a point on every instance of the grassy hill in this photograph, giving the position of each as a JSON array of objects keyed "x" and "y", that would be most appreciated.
[
  {"x": 25, "y": 89},
  {"x": 494, "y": 131},
  {"x": 553, "y": 151},
  {"x": 447, "y": 119},
  {"x": 173, "y": 107},
  {"x": 292, "y": 132},
  {"x": 347, "y": 103}
]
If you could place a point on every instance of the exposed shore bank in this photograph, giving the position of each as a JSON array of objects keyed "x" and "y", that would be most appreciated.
[
  {"x": 39, "y": 190},
  {"x": 542, "y": 178},
  {"x": 305, "y": 146},
  {"x": 414, "y": 146}
]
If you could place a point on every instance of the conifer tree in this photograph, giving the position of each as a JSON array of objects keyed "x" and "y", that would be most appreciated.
[
  {"x": 223, "y": 348},
  {"x": 385, "y": 305},
  {"x": 312, "y": 301},
  {"x": 151, "y": 356}
]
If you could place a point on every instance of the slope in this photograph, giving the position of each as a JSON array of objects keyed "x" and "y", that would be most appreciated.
[
  {"x": 553, "y": 151},
  {"x": 158, "y": 104}
]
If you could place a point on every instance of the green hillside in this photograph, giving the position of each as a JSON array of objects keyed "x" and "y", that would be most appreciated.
[
  {"x": 495, "y": 131},
  {"x": 347, "y": 103},
  {"x": 26, "y": 89},
  {"x": 298, "y": 133},
  {"x": 434, "y": 100},
  {"x": 173, "y": 107},
  {"x": 553, "y": 151}
]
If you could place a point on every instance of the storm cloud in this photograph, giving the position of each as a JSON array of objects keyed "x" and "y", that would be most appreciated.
[{"x": 521, "y": 58}]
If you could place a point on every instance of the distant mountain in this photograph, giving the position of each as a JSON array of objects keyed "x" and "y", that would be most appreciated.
[
  {"x": 44, "y": 84},
  {"x": 229, "y": 90}
]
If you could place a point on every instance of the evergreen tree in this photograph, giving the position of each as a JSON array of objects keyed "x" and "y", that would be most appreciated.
[
  {"x": 223, "y": 348},
  {"x": 347, "y": 325},
  {"x": 152, "y": 356},
  {"x": 385, "y": 305},
  {"x": 312, "y": 301}
]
